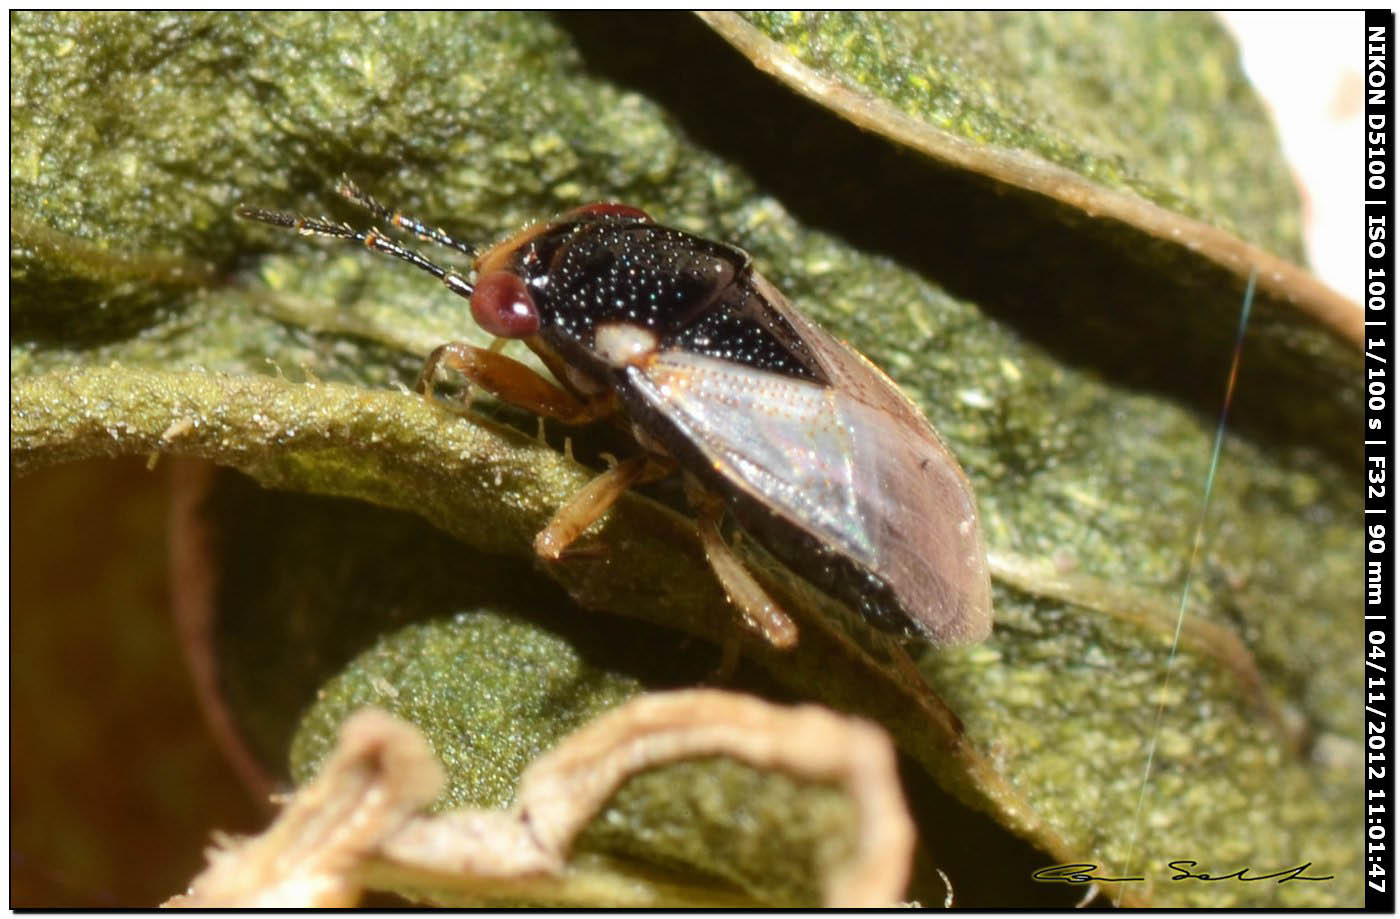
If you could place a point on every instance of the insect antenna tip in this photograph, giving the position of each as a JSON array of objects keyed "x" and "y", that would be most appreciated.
[{"x": 276, "y": 218}]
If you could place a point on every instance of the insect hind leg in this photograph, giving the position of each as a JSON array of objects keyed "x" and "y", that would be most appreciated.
[{"x": 760, "y": 612}]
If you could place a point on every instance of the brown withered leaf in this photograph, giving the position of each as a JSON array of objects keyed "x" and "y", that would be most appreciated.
[{"x": 357, "y": 818}]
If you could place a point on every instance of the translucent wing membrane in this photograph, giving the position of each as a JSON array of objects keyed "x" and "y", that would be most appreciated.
[{"x": 853, "y": 466}]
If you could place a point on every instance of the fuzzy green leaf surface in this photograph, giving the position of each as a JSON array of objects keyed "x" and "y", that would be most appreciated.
[{"x": 1114, "y": 96}]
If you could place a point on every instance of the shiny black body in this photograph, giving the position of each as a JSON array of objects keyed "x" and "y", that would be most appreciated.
[
  {"x": 817, "y": 453},
  {"x": 698, "y": 296}
]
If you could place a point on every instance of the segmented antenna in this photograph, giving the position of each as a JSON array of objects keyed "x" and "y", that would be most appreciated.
[
  {"x": 371, "y": 238},
  {"x": 348, "y": 190}
]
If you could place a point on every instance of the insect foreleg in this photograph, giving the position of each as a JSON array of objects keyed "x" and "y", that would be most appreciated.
[{"x": 510, "y": 381}]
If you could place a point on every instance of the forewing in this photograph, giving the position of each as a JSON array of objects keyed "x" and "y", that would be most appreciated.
[
  {"x": 922, "y": 519},
  {"x": 779, "y": 438},
  {"x": 859, "y": 479},
  {"x": 854, "y": 463}
]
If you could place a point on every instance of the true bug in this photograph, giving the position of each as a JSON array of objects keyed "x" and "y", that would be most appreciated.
[{"x": 815, "y": 452}]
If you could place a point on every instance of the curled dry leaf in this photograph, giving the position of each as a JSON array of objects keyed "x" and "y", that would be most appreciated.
[
  {"x": 565, "y": 788},
  {"x": 381, "y": 772},
  {"x": 354, "y": 819}
]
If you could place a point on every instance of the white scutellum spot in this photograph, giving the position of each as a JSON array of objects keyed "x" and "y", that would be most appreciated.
[{"x": 622, "y": 344}]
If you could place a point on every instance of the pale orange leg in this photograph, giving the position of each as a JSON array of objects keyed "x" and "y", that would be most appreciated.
[
  {"x": 759, "y": 611},
  {"x": 511, "y": 381},
  {"x": 592, "y": 501}
]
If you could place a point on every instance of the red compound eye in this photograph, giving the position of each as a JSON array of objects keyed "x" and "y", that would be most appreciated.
[
  {"x": 502, "y": 305},
  {"x": 610, "y": 209}
]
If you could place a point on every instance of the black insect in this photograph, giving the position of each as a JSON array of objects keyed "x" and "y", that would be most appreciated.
[{"x": 815, "y": 452}]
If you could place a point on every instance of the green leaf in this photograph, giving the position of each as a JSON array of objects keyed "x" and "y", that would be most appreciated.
[
  {"x": 1099, "y": 94},
  {"x": 1075, "y": 365}
]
